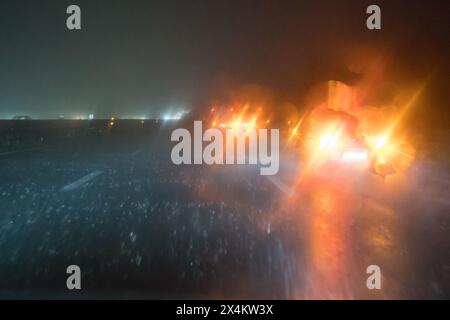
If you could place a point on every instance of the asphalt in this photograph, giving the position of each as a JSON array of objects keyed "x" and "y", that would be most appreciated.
[{"x": 140, "y": 227}]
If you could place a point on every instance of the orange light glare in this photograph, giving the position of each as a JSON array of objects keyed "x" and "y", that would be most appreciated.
[{"x": 328, "y": 141}]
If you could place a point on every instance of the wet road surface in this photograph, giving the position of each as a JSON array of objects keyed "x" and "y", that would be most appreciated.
[{"x": 140, "y": 227}]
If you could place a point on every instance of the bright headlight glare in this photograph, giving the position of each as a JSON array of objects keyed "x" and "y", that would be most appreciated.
[
  {"x": 357, "y": 155},
  {"x": 328, "y": 140}
]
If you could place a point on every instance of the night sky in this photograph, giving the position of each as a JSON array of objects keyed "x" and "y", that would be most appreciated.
[{"x": 136, "y": 58}]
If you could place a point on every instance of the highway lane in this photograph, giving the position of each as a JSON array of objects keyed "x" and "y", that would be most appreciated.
[{"x": 146, "y": 228}]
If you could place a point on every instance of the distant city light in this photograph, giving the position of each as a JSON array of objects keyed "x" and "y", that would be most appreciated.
[{"x": 174, "y": 116}]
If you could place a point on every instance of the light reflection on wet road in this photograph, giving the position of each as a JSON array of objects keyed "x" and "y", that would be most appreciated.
[{"x": 349, "y": 225}]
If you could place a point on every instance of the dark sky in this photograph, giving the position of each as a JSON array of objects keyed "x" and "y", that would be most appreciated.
[{"x": 141, "y": 57}]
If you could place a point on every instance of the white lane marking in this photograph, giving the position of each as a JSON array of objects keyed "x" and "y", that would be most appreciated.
[
  {"x": 80, "y": 182},
  {"x": 19, "y": 151}
]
